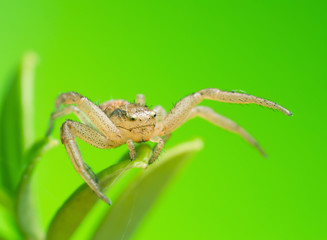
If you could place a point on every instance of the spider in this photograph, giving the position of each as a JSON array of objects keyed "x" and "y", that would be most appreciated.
[{"x": 117, "y": 122}]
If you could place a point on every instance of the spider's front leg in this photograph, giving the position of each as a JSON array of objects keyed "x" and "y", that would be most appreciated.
[
  {"x": 225, "y": 123},
  {"x": 69, "y": 130},
  {"x": 98, "y": 118},
  {"x": 108, "y": 137},
  {"x": 181, "y": 110},
  {"x": 65, "y": 111},
  {"x": 186, "y": 109}
]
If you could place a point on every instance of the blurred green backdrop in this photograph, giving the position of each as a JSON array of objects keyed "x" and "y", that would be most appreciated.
[{"x": 167, "y": 50}]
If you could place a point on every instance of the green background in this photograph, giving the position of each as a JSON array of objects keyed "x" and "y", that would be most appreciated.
[{"x": 167, "y": 50}]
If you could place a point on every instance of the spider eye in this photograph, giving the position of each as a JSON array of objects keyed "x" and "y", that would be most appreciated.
[
  {"x": 133, "y": 118},
  {"x": 155, "y": 115}
]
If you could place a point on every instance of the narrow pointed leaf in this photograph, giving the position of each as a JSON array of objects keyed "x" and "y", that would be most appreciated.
[
  {"x": 8, "y": 224},
  {"x": 16, "y": 123},
  {"x": 142, "y": 193},
  {"x": 5, "y": 200},
  {"x": 26, "y": 208},
  {"x": 8, "y": 227},
  {"x": 76, "y": 208}
]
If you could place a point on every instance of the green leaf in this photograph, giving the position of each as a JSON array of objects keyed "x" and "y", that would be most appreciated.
[
  {"x": 8, "y": 226},
  {"x": 26, "y": 208},
  {"x": 16, "y": 123},
  {"x": 76, "y": 208},
  {"x": 5, "y": 200},
  {"x": 139, "y": 197}
]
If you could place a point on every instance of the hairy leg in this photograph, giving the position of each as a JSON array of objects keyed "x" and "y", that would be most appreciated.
[
  {"x": 65, "y": 111},
  {"x": 161, "y": 113},
  {"x": 91, "y": 173},
  {"x": 93, "y": 112},
  {"x": 181, "y": 110},
  {"x": 69, "y": 131},
  {"x": 140, "y": 99},
  {"x": 157, "y": 149},
  {"x": 131, "y": 149},
  {"x": 225, "y": 123}
]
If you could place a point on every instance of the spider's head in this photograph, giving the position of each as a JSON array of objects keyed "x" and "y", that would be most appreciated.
[{"x": 133, "y": 116}]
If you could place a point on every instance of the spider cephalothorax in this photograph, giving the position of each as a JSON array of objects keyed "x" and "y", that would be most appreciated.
[
  {"x": 135, "y": 121},
  {"x": 117, "y": 122}
]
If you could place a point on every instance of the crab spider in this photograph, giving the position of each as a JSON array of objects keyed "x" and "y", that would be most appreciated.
[{"x": 117, "y": 122}]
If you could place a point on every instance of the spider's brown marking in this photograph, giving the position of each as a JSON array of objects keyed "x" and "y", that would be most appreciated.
[{"x": 117, "y": 122}]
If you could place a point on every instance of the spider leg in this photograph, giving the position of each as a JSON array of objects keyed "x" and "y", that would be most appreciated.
[
  {"x": 131, "y": 149},
  {"x": 181, "y": 110},
  {"x": 157, "y": 149},
  {"x": 91, "y": 173},
  {"x": 140, "y": 99},
  {"x": 96, "y": 115},
  {"x": 65, "y": 111},
  {"x": 161, "y": 114},
  {"x": 225, "y": 123},
  {"x": 69, "y": 131}
]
